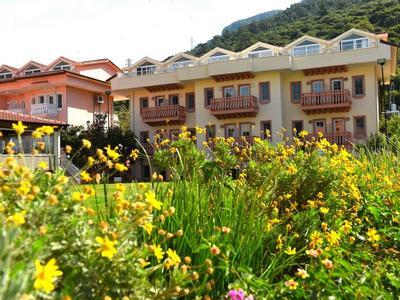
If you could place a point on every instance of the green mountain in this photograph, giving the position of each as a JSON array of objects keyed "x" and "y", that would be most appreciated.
[
  {"x": 325, "y": 19},
  {"x": 237, "y": 24}
]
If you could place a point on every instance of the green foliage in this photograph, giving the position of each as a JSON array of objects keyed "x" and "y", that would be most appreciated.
[
  {"x": 320, "y": 18},
  {"x": 121, "y": 109}
]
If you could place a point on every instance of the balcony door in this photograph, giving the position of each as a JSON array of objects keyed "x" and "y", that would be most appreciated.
[
  {"x": 319, "y": 126},
  {"x": 336, "y": 84},
  {"x": 338, "y": 126},
  {"x": 229, "y": 91},
  {"x": 244, "y": 90},
  {"x": 161, "y": 101},
  {"x": 317, "y": 86}
]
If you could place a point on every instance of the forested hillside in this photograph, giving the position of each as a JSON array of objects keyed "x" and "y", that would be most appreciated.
[
  {"x": 321, "y": 18},
  {"x": 237, "y": 24}
]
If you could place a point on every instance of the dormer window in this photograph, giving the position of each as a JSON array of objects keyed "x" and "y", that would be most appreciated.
[
  {"x": 217, "y": 57},
  {"x": 32, "y": 70},
  {"x": 306, "y": 48},
  {"x": 146, "y": 69},
  {"x": 354, "y": 41},
  {"x": 181, "y": 63},
  {"x": 260, "y": 53},
  {"x": 62, "y": 66},
  {"x": 5, "y": 74}
]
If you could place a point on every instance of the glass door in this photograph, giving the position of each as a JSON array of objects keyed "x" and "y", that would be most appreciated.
[{"x": 319, "y": 126}]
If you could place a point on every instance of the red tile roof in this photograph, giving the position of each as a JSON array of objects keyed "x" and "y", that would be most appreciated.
[{"x": 6, "y": 115}]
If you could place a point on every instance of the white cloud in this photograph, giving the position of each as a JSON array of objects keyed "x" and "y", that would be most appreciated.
[{"x": 42, "y": 30}]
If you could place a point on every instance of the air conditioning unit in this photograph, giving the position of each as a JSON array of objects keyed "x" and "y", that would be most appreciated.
[{"x": 100, "y": 99}]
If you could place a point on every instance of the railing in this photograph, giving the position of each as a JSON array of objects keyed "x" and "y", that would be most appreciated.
[
  {"x": 166, "y": 112},
  {"x": 233, "y": 103},
  {"x": 338, "y": 138},
  {"x": 41, "y": 109},
  {"x": 329, "y": 98},
  {"x": 17, "y": 110}
]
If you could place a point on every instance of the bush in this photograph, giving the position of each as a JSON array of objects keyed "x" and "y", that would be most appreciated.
[{"x": 306, "y": 220}]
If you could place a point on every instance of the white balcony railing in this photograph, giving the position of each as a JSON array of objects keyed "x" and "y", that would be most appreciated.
[
  {"x": 17, "y": 110},
  {"x": 44, "y": 109}
]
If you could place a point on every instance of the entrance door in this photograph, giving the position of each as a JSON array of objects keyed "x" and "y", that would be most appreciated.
[
  {"x": 319, "y": 126},
  {"x": 338, "y": 125}
]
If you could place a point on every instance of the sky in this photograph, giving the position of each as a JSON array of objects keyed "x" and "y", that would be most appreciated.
[{"x": 43, "y": 30}]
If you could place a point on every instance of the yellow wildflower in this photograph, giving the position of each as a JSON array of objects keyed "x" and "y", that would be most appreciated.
[
  {"x": 79, "y": 197},
  {"x": 302, "y": 273},
  {"x": 373, "y": 235},
  {"x": 151, "y": 199},
  {"x": 48, "y": 130},
  {"x": 112, "y": 153},
  {"x": 36, "y": 134},
  {"x": 290, "y": 251},
  {"x": 17, "y": 219},
  {"x": 148, "y": 227},
  {"x": 333, "y": 238},
  {"x": 68, "y": 149},
  {"x": 292, "y": 170},
  {"x": 173, "y": 259},
  {"x": 19, "y": 128},
  {"x": 324, "y": 210},
  {"x": 46, "y": 275},
  {"x": 158, "y": 252},
  {"x": 86, "y": 144},
  {"x": 291, "y": 284},
  {"x": 316, "y": 240},
  {"x": 134, "y": 154},
  {"x": 107, "y": 248},
  {"x": 85, "y": 176},
  {"x": 90, "y": 161},
  {"x": 120, "y": 167}
]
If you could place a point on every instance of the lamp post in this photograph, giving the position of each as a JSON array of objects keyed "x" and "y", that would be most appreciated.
[
  {"x": 108, "y": 93},
  {"x": 382, "y": 62}
]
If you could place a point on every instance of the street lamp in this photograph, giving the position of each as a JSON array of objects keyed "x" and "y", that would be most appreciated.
[
  {"x": 382, "y": 62},
  {"x": 108, "y": 93}
]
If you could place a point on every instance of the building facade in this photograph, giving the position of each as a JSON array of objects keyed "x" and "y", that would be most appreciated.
[
  {"x": 311, "y": 84},
  {"x": 65, "y": 90}
]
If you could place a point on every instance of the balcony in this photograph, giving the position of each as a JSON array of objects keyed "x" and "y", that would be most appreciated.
[
  {"x": 234, "y": 107},
  {"x": 338, "y": 138},
  {"x": 44, "y": 109},
  {"x": 326, "y": 102},
  {"x": 162, "y": 115}
]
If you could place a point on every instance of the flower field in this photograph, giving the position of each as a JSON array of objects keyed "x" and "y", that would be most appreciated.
[{"x": 297, "y": 220}]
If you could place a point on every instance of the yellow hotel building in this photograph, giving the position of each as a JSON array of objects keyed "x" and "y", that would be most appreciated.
[{"x": 311, "y": 84}]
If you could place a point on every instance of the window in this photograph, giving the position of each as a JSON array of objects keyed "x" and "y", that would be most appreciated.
[
  {"x": 266, "y": 130},
  {"x": 218, "y": 58},
  {"x": 245, "y": 129},
  {"x": 230, "y": 130},
  {"x": 32, "y": 70},
  {"x": 295, "y": 91},
  {"x": 306, "y": 50},
  {"x": 190, "y": 102},
  {"x": 50, "y": 99},
  {"x": 297, "y": 127},
  {"x": 360, "y": 127},
  {"x": 229, "y": 91},
  {"x": 144, "y": 136},
  {"x": 260, "y": 53},
  {"x": 4, "y": 74},
  {"x": 62, "y": 66},
  {"x": 210, "y": 132},
  {"x": 208, "y": 95},
  {"x": 33, "y": 100},
  {"x": 265, "y": 95},
  {"x": 144, "y": 102},
  {"x": 354, "y": 43},
  {"x": 59, "y": 100},
  {"x": 244, "y": 90},
  {"x": 173, "y": 100},
  {"x": 23, "y": 104},
  {"x": 145, "y": 70},
  {"x": 319, "y": 126},
  {"x": 41, "y": 99},
  {"x": 161, "y": 101},
  {"x": 317, "y": 86},
  {"x": 358, "y": 86},
  {"x": 180, "y": 64}
]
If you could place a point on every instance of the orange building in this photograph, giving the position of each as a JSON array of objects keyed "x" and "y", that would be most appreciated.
[{"x": 65, "y": 90}]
